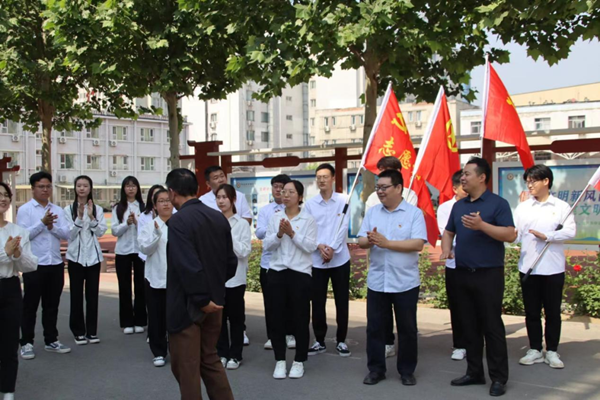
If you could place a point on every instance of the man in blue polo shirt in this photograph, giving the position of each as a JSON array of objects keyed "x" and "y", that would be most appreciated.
[{"x": 481, "y": 222}]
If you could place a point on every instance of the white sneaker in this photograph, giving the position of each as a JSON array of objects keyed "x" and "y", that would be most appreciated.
[
  {"x": 458, "y": 354},
  {"x": 128, "y": 330},
  {"x": 280, "y": 370},
  {"x": 9, "y": 396},
  {"x": 268, "y": 345},
  {"x": 290, "y": 341},
  {"x": 233, "y": 364},
  {"x": 390, "y": 350},
  {"x": 246, "y": 339},
  {"x": 159, "y": 361},
  {"x": 553, "y": 360},
  {"x": 532, "y": 357},
  {"x": 57, "y": 347},
  {"x": 138, "y": 329},
  {"x": 27, "y": 352},
  {"x": 224, "y": 362},
  {"x": 297, "y": 370}
]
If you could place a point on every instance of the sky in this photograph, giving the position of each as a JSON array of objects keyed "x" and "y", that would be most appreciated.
[{"x": 523, "y": 74}]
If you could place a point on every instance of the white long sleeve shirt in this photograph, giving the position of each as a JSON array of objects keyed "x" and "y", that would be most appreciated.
[
  {"x": 84, "y": 247},
  {"x": 543, "y": 217},
  {"x": 142, "y": 221},
  {"x": 443, "y": 214},
  {"x": 327, "y": 215},
  {"x": 242, "y": 246},
  {"x": 153, "y": 244},
  {"x": 127, "y": 240},
  {"x": 11, "y": 266},
  {"x": 45, "y": 244},
  {"x": 288, "y": 253},
  {"x": 264, "y": 216},
  {"x": 241, "y": 204}
]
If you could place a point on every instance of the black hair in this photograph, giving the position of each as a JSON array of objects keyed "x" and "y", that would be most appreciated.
[
  {"x": 299, "y": 188},
  {"x": 150, "y": 199},
  {"x": 210, "y": 170},
  {"x": 158, "y": 191},
  {"x": 326, "y": 166},
  {"x": 281, "y": 178},
  {"x": 482, "y": 167},
  {"x": 389, "y": 162},
  {"x": 75, "y": 205},
  {"x": 122, "y": 204},
  {"x": 38, "y": 176},
  {"x": 183, "y": 182},
  {"x": 539, "y": 172},
  {"x": 5, "y": 186},
  {"x": 394, "y": 175},
  {"x": 230, "y": 193},
  {"x": 456, "y": 178}
]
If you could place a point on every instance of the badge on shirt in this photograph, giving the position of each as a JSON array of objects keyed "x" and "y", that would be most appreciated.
[{"x": 400, "y": 226}]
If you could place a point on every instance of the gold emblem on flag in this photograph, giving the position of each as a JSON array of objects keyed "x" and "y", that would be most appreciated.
[
  {"x": 388, "y": 148},
  {"x": 451, "y": 138},
  {"x": 399, "y": 122},
  {"x": 405, "y": 159},
  {"x": 509, "y": 101}
]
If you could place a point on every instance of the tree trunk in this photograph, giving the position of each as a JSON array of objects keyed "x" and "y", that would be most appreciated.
[
  {"x": 372, "y": 73},
  {"x": 171, "y": 99},
  {"x": 46, "y": 114}
]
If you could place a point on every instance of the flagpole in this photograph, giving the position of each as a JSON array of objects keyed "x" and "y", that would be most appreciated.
[
  {"x": 486, "y": 89},
  {"x": 558, "y": 228}
]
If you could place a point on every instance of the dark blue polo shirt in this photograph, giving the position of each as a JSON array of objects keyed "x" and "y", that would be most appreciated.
[{"x": 475, "y": 249}]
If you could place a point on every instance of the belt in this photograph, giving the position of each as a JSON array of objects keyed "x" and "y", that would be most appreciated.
[{"x": 470, "y": 269}]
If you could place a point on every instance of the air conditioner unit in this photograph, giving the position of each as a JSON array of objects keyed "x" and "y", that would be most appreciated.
[
  {"x": 113, "y": 143},
  {"x": 15, "y": 138},
  {"x": 113, "y": 173},
  {"x": 213, "y": 125},
  {"x": 96, "y": 142},
  {"x": 62, "y": 178},
  {"x": 418, "y": 124},
  {"x": 62, "y": 140},
  {"x": 250, "y": 124},
  {"x": 249, "y": 142},
  {"x": 327, "y": 129},
  {"x": 352, "y": 127}
]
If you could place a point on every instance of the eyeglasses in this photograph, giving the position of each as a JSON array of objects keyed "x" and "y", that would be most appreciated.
[
  {"x": 162, "y": 201},
  {"x": 4, "y": 196},
  {"x": 286, "y": 192},
  {"x": 530, "y": 183},
  {"x": 44, "y": 187},
  {"x": 278, "y": 187},
  {"x": 322, "y": 178},
  {"x": 383, "y": 188}
]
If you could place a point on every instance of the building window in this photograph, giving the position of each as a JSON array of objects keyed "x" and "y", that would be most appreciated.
[
  {"x": 313, "y": 102},
  {"x": 14, "y": 158},
  {"x": 250, "y": 157},
  {"x": 4, "y": 126},
  {"x": 147, "y": 163},
  {"x": 418, "y": 116},
  {"x": 312, "y": 141},
  {"x": 92, "y": 133},
  {"x": 475, "y": 127},
  {"x": 326, "y": 121},
  {"x": 264, "y": 117},
  {"x": 313, "y": 84},
  {"x": 542, "y": 124},
  {"x": 168, "y": 136},
  {"x": 312, "y": 122},
  {"x": 333, "y": 121},
  {"x": 146, "y": 135},
  {"x": 577, "y": 122},
  {"x": 248, "y": 95},
  {"x": 542, "y": 156},
  {"x": 213, "y": 137},
  {"x": 410, "y": 116},
  {"x": 288, "y": 117},
  {"x": 156, "y": 100},
  {"x": 67, "y": 161},
  {"x": 213, "y": 117},
  {"x": 289, "y": 136},
  {"x": 249, "y": 135},
  {"x": 288, "y": 98},
  {"x": 361, "y": 119},
  {"x": 249, "y": 115},
  {"x": 66, "y": 134},
  {"x": 92, "y": 162},
  {"x": 120, "y": 163},
  {"x": 264, "y": 137},
  {"x": 67, "y": 194},
  {"x": 119, "y": 133}
]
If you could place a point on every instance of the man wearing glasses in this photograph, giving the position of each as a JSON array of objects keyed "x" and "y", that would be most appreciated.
[
  {"x": 47, "y": 227},
  {"x": 395, "y": 233}
]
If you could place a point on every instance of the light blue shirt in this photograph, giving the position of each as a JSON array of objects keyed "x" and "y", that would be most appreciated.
[
  {"x": 394, "y": 271},
  {"x": 264, "y": 216}
]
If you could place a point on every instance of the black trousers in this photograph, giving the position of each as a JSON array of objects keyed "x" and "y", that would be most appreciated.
[
  {"x": 11, "y": 312},
  {"x": 81, "y": 277},
  {"x": 45, "y": 284},
  {"x": 290, "y": 294},
  {"x": 379, "y": 305},
  {"x": 131, "y": 314},
  {"x": 231, "y": 339},
  {"x": 543, "y": 291},
  {"x": 264, "y": 286},
  {"x": 157, "y": 320},
  {"x": 479, "y": 294},
  {"x": 458, "y": 337},
  {"x": 340, "y": 280}
]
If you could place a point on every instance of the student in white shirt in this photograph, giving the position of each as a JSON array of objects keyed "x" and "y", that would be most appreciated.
[
  {"x": 443, "y": 214},
  {"x": 215, "y": 177},
  {"x": 147, "y": 215},
  {"x": 125, "y": 215},
  {"x": 291, "y": 239},
  {"x": 234, "y": 312},
  {"x": 331, "y": 261},
  {"x": 536, "y": 221},
  {"x": 153, "y": 243},
  {"x": 15, "y": 257},
  {"x": 47, "y": 227},
  {"x": 87, "y": 225}
]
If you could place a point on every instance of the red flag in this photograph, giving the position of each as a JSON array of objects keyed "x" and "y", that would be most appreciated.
[
  {"x": 425, "y": 204},
  {"x": 500, "y": 119},
  {"x": 595, "y": 180},
  {"x": 438, "y": 156}
]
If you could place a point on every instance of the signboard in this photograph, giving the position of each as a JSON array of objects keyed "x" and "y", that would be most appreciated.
[{"x": 570, "y": 178}]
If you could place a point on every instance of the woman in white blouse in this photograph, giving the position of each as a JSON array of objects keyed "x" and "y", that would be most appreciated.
[
  {"x": 15, "y": 257},
  {"x": 86, "y": 224},
  {"x": 291, "y": 237},
  {"x": 153, "y": 243},
  {"x": 147, "y": 215},
  {"x": 125, "y": 214},
  {"x": 234, "y": 311}
]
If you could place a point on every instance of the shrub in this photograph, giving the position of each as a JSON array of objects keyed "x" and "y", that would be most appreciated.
[{"x": 253, "y": 277}]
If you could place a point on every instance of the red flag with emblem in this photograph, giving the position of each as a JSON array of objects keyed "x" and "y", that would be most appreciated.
[{"x": 500, "y": 119}]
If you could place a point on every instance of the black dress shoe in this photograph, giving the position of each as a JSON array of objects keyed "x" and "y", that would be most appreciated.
[
  {"x": 408, "y": 380},
  {"x": 497, "y": 389},
  {"x": 373, "y": 378},
  {"x": 468, "y": 380}
]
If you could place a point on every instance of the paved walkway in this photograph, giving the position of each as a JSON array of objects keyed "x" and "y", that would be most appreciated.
[{"x": 120, "y": 367}]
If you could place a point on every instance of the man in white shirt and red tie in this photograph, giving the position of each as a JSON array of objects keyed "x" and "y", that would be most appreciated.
[{"x": 537, "y": 221}]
